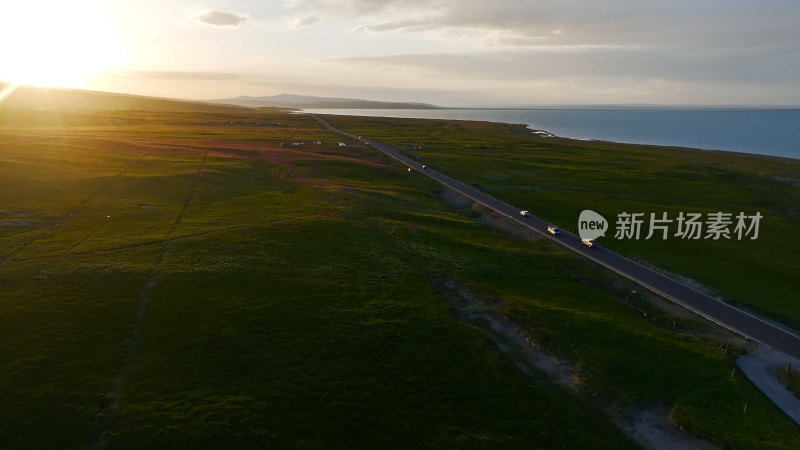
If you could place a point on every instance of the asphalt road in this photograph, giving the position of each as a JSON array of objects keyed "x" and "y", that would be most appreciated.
[
  {"x": 761, "y": 367},
  {"x": 715, "y": 310}
]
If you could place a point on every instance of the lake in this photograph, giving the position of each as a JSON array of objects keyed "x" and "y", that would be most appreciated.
[{"x": 762, "y": 131}]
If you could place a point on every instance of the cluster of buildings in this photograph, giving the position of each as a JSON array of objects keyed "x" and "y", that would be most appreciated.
[
  {"x": 236, "y": 122},
  {"x": 298, "y": 143}
]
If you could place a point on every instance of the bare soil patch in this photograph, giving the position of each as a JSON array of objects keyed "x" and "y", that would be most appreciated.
[{"x": 651, "y": 427}]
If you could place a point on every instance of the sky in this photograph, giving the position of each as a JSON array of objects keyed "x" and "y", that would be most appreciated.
[{"x": 446, "y": 52}]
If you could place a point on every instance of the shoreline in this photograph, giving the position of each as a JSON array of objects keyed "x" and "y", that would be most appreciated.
[
  {"x": 547, "y": 134},
  {"x": 532, "y": 131}
]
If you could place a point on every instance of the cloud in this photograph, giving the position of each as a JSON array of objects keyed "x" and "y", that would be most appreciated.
[
  {"x": 713, "y": 23},
  {"x": 567, "y": 48},
  {"x": 580, "y": 46},
  {"x": 359, "y": 8},
  {"x": 303, "y": 21},
  {"x": 222, "y": 19},
  {"x": 700, "y": 65},
  {"x": 173, "y": 75},
  {"x": 401, "y": 25}
]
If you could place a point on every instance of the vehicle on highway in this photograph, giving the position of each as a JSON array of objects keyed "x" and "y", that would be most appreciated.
[
  {"x": 589, "y": 243},
  {"x": 553, "y": 230},
  {"x": 524, "y": 213},
  {"x": 424, "y": 167}
]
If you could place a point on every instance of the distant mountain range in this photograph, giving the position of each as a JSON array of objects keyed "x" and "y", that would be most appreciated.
[
  {"x": 35, "y": 97},
  {"x": 307, "y": 101}
]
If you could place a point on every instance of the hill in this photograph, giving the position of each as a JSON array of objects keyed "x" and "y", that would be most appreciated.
[
  {"x": 307, "y": 101},
  {"x": 60, "y": 99}
]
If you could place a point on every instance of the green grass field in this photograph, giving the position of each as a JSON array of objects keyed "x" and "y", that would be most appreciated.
[
  {"x": 173, "y": 285},
  {"x": 558, "y": 178}
]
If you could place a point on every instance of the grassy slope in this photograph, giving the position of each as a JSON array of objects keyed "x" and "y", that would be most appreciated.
[
  {"x": 60, "y": 99},
  {"x": 292, "y": 305},
  {"x": 559, "y": 178},
  {"x": 274, "y": 318}
]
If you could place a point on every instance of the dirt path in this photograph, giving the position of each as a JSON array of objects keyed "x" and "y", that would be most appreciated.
[
  {"x": 652, "y": 428},
  {"x": 761, "y": 368},
  {"x": 104, "y": 418},
  {"x": 73, "y": 212}
]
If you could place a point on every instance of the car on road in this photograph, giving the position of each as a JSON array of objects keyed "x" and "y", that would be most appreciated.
[
  {"x": 553, "y": 230},
  {"x": 589, "y": 243},
  {"x": 524, "y": 213},
  {"x": 424, "y": 167}
]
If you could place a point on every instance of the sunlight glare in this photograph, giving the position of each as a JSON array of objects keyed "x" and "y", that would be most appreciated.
[{"x": 57, "y": 43}]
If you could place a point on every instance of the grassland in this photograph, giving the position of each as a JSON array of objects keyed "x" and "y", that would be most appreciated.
[
  {"x": 173, "y": 285},
  {"x": 558, "y": 178},
  {"x": 791, "y": 380}
]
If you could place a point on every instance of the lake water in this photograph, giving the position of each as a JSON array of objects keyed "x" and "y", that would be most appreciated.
[{"x": 762, "y": 131}]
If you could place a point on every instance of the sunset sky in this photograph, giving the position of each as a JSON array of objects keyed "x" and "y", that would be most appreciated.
[{"x": 448, "y": 52}]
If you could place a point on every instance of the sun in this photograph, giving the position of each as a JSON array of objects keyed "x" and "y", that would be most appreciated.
[{"x": 57, "y": 42}]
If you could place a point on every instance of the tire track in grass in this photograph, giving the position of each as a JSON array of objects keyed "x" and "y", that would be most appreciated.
[
  {"x": 103, "y": 225},
  {"x": 28, "y": 139},
  {"x": 93, "y": 232},
  {"x": 161, "y": 241},
  {"x": 49, "y": 230},
  {"x": 104, "y": 418},
  {"x": 72, "y": 249}
]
